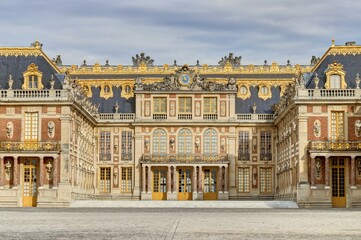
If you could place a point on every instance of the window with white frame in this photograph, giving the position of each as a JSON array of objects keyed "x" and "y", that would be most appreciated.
[
  {"x": 104, "y": 149},
  {"x": 159, "y": 142},
  {"x": 265, "y": 180},
  {"x": 243, "y": 179},
  {"x": 243, "y": 146},
  {"x": 127, "y": 145},
  {"x": 210, "y": 142},
  {"x": 126, "y": 179},
  {"x": 185, "y": 145}
]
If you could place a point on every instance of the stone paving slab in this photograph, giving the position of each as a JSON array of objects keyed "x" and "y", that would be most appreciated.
[{"x": 181, "y": 204}]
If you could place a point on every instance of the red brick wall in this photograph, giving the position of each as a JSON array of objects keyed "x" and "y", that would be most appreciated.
[
  {"x": 16, "y": 130},
  {"x": 351, "y": 128},
  {"x": 310, "y": 124},
  {"x": 44, "y": 129}
]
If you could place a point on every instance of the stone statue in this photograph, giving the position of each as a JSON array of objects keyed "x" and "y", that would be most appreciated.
[
  {"x": 142, "y": 59},
  {"x": 10, "y": 81},
  {"x": 234, "y": 61},
  {"x": 232, "y": 84}
]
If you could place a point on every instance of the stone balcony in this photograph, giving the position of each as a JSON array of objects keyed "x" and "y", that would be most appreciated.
[
  {"x": 30, "y": 146},
  {"x": 33, "y": 95},
  {"x": 322, "y": 146},
  {"x": 185, "y": 158},
  {"x": 345, "y": 94}
]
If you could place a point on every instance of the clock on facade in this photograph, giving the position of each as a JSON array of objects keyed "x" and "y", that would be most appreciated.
[{"x": 184, "y": 79}]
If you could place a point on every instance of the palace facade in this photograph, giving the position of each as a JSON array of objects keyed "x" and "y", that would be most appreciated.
[{"x": 171, "y": 132}]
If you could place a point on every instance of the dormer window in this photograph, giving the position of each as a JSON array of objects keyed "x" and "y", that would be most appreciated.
[
  {"x": 32, "y": 78},
  {"x": 335, "y": 81},
  {"x": 243, "y": 92},
  {"x": 106, "y": 91},
  {"x": 335, "y": 77},
  {"x": 264, "y": 92}
]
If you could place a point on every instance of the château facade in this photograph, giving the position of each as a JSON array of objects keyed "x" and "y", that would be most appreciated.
[{"x": 180, "y": 132}]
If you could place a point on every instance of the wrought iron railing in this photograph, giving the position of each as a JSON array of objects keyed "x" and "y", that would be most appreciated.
[
  {"x": 29, "y": 146},
  {"x": 334, "y": 145},
  {"x": 184, "y": 158},
  {"x": 127, "y": 156},
  {"x": 105, "y": 156},
  {"x": 243, "y": 156}
]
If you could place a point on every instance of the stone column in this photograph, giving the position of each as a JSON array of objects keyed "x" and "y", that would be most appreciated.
[
  {"x": 149, "y": 180},
  {"x": 200, "y": 177},
  {"x": 15, "y": 172},
  {"x": 352, "y": 180},
  {"x": 41, "y": 172},
  {"x": 65, "y": 121},
  {"x": 220, "y": 177},
  {"x": 143, "y": 179},
  {"x": 327, "y": 172},
  {"x": 169, "y": 179},
  {"x": 2, "y": 172},
  {"x": 138, "y": 151},
  {"x": 194, "y": 181},
  {"x": 55, "y": 171},
  {"x": 232, "y": 161},
  {"x": 303, "y": 158},
  {"x": 312, "y": 172},
  {"x": 226, "y": 178}
]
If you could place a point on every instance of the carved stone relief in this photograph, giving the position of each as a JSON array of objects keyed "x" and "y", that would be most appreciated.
[
  {"x": 51, "y": 129},
  {"x": 9, "y": 129},
  {"x": 172, "y": 108},
  {"x": 358, "y": 128},
  {"x": 223, "y": 108},
  {"x": 198, "y": 108},
  {"x": 49, "y": 170},
  {"x": 147, "y": 109},
  {"x": 317, "y": 128},
  {"x": 8, "y": 171},
  {"x": 115, "y": 174}
]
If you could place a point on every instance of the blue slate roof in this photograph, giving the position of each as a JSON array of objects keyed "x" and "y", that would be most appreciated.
[
  {"x": 351, "y": 65},
  {"x": 17, "y": 65}
]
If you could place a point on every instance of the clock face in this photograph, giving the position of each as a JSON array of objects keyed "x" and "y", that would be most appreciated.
[{"x": 184, "y": 79}]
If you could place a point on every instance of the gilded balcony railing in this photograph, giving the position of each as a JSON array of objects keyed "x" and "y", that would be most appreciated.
[
  {"x": 29, "y": 146},
  {"x": 185, "y": 158},
  {"x": 334, "y": 145}
]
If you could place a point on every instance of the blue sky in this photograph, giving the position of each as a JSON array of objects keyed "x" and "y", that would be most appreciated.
[{"x": 182, "y": 30}]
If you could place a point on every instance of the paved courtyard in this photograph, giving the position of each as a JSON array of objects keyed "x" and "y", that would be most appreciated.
[{"x": 179, "y": 223}]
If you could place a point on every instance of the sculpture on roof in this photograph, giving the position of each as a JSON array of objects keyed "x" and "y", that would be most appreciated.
[
  {"x": 142, "y": 60},
  {"x": 234, "y": 61},
  {"x": 58, "y": 60}
]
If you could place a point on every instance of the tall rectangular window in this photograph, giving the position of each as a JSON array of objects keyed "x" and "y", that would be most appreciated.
[
  {"x": 265, "y": 146},
  {"x": 210, "y": 105},
  {"x": 185, "y": 105},
  {"x": 104, "y": 183},
  {"x": 160, "y": 105},
  {"x": 243, "y": 146},
  {"x": 104, "y": 150},
  {"x": 337, "y": 125},
  {"x": 243, "y": 179},
  {"x": 31, "y": 126},
  {"x": 265, "y": 180},
  {"x": 127, "y": 146},
  {"x": 126, "y": 179}
]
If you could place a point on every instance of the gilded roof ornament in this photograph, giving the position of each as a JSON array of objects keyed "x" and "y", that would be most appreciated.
[{"x": 36, "y": 44}]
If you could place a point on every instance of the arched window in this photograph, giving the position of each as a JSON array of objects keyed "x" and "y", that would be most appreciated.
[
  {"x": 185, "y": 141},
  {"x": 210, "y": 142},
  {"x": 32, "y": 78},
  {"x": 159, "y": 142}
]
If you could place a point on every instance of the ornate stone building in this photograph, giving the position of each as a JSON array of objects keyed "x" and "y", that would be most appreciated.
[{"x": 170, "y": 132}]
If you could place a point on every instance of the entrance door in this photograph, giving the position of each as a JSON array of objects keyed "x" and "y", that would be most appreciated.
[
  {"x": 210, "y": 184},
  {"x": 159, "y": 184},
  {"x": 29, "y": 183},
  {"x": 338, "y": 183},
  {"x": 185, "y": 184}
]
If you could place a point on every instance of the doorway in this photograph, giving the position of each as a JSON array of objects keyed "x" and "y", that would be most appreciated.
[
  {"x": 184, "y": 184},
  {"x": 29, "y": 183},
  {"x": 338, "y": 183}
]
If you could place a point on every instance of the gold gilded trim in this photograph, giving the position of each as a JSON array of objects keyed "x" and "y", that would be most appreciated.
[
  {"x": 335, "y": 69},
  {"x": 106, "y": 90},
  {"x": 29, "y": 73}
]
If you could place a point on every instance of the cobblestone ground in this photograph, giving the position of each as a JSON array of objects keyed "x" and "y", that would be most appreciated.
[{"x": 119, "y": 223}]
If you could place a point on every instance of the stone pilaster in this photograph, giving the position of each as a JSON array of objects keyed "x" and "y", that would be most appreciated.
[
  {"x": 352, "y": 180},
  {"x": 41, "y": 172},
  {"x": 327, "y": 172},
  {"x": 313, "y": 172},
  {"x": 137, "y": 158},
  {"x": 143, "y": 179},
  {"x": 65, "y": 121},
  {"x": 232, "y": 162},
  {"x": 2, "y": 172},
  {"x": 15, "y": 172}
]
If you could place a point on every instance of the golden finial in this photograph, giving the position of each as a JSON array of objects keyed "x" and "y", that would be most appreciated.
[{"x": 333, "y": 41}]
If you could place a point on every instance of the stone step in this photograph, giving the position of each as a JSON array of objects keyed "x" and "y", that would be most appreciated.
[{"x": 181, "y": 204}]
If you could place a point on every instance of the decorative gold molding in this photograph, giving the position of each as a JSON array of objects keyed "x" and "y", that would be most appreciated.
[
  {"x": 88, "y": 90},
  {"x": 106, "y": 90},
  {"x": 344, "y": 50},
  {"x": 205, "y": 69},
  {"x": 30, "y": 51},
  {"x": 127, "y": 89},
  {"x": 264, "y": 91},
  {"x": 335, "y": 69},
  {"x": 243, "y": 91},
  {"x": 29, "y": 76}
]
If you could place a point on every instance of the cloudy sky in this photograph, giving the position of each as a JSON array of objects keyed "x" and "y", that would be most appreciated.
[{"x": 185, "y": 30}]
